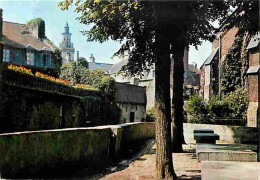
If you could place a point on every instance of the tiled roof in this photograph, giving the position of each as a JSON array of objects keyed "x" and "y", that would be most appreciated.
[
  {"x": 211, "y": 57},
  {"x": 103, "y": 66},
  {"x": 254, "y": 42},
  {"x": 118, "y": 66},
  {"x": 191, "y": 78},
  {"x": 126, "y": 93},
  {"x": 17, "y": 35}
]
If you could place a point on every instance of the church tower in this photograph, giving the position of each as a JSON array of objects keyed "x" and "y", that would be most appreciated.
[{"x": 66, "y": 46}]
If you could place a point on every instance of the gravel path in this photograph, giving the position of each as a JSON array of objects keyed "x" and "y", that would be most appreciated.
[{"x": 142, "y": 167}]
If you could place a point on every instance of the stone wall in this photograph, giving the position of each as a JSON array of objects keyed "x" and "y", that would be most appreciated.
[
  {"x": 131, "y": 99},
  {"x": 227, "y": 134},
  {"x": 126, "y": 109},
  {"x": 39, "y": 154}
]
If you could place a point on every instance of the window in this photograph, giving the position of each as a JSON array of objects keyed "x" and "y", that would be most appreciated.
[
  {"x": 6, "y": 55},
  {"x": 45, "y": 59},
  {"x": 30, "y": 58}
]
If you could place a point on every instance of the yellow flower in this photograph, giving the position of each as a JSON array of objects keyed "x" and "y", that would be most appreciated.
[{"x": 97, "y": 1}]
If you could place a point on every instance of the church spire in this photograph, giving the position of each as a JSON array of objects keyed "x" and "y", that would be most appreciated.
[{"x": 66, "y": 28}]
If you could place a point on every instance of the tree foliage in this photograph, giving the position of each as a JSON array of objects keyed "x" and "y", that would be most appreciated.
[
  {"x": 245, "y": 17},
  {"x": 142, "y": 27},
  {"x": 83, "y": 62},
  {"x": 57, "y": 59},
  {"x": 79, "y": 74}
]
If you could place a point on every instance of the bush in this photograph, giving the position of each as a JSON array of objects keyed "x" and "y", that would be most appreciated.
[
  {"x": 196, "y": 110},
  {"x": 95, "y": 78},
  {"x": 237, "y": 102},
  {"x": 233, "y": 105},
  {"x": 150, "y": 115}
]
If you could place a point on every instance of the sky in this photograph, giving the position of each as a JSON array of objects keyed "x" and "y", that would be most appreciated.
[{"x": 21, "y": 11}]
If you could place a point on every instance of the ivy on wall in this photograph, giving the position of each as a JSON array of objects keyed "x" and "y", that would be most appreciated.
[
  {"x": 37, "y": 23},
  {"x": 232, "y": 66}
]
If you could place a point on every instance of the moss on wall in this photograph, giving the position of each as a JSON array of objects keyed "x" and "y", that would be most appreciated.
[
  {"x": 45, "y": 116},
  {"x": 26, "y": 109},
  {"x": 41, "y": 154},
  {"x": 245, "y": 135}
]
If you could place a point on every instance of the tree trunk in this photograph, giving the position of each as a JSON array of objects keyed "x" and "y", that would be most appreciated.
[
  {"x": 164, "y": 163},
  {"x": 177, "y": 98}
]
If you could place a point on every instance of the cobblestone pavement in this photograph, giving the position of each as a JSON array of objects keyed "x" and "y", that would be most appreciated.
[{"x": 143, "y": 168}]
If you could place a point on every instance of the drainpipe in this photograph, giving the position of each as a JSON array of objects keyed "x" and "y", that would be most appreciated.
[{"x": 219, "y": 65}]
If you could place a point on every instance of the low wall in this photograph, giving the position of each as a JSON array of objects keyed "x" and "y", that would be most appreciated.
[
  {"x": 44, "y": 153},
  {"x": 228, "y": 134}
]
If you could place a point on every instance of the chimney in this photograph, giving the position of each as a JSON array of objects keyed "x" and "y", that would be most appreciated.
[
  {"x": 186, "y": 59},
  {"x": 37, "y": 26},
  {"x": 92, "y": 58},
  {"x": 77, "y": 57},
  {"x": 194, "y": 64}
]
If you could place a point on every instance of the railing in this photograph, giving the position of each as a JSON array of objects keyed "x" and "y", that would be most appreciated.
[{"x": 24, "y": 80}]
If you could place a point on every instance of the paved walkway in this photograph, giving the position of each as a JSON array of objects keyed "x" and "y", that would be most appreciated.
[{"x": 143, "y": 168}]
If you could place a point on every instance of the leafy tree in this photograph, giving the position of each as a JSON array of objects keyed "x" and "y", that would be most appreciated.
[
  {"x": 149, "y": 29},
  {"x": 95, "y": 78},
  {"x": 72, "y": 72},
  {"x": 143, "y": 32},
  {"x": 57, "y": 58},
  {"x": 245, "y": 17},
  {"x": 83, "y": 62}
]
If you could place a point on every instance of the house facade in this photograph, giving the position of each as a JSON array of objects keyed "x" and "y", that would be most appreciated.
[
  {"x": 147, "y": 77},
  {"x": 131, "y": 99},
  {"x": 144, "y": 79},
  {"x": 26, "y": 44},
  {"x": 210, "y": 69}
]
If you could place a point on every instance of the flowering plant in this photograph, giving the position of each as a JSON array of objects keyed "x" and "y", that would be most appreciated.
[
  {"x": 20, "y": 69},
  {"x": 44, "y": 76},
  {"x": 62, "y": 81},
  {"x": 84, "y": 86}
]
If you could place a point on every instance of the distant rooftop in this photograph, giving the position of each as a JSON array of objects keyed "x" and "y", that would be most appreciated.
[
  {"x": 17, "y": 35},
  {"x": 104, "y": 66}
]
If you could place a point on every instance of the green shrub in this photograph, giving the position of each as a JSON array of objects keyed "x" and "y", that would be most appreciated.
[
  {"x": 196, "y": 110},
  {"x": 237, "y": 102},
  {"x": 233, "y": 105},
  {"x": 45, "y": 116},
  {"x": 95, "y": 78},
  {"x": 150, "y": 115}
]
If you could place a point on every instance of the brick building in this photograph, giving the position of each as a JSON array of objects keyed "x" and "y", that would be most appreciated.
[
  {"x": 209, "y": 82},
  {"x": 253, "y": 82}
]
